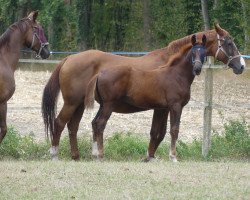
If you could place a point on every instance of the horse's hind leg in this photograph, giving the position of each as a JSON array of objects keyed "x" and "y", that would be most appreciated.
[
  {"x": 98, "y": 125},
  {"x": 59, "y": 124},
  {"x": 158, "y": 131},
  {"x": 73, "y": 126},
  {"x": 175, "y": 116},
  {"x": 3, "y": 125}
]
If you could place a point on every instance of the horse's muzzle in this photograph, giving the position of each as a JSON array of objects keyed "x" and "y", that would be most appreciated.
[
  {"x": 45, "y": 53},
  {"x": 197, "y": 69},
  {"x": 238, "y": 65}
]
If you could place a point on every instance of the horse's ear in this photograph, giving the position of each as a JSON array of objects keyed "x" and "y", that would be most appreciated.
[
  {"x": 193, "y": 40},
  {"x": 33, "y": 15},
  {"x": 218, "y": 29},
  {"x": 204, "y": 40}
]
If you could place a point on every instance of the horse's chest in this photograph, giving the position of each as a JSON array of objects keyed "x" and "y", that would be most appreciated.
[
  {"x": 7, "y": 86},
  {"x": 177, "y": 94}
]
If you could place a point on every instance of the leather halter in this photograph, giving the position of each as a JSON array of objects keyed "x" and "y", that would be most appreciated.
[
  {"x": 42, "y": 44},
  {"x": 220, "y": 48}
]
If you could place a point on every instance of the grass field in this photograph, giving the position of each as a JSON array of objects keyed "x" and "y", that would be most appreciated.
[{"x": 123, "y": 180}]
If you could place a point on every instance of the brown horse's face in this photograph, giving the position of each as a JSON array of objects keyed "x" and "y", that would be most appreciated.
[
  {"x": 229, "y": 54},
  {"x": 35, "y": 37},
  {"x": 37, "y": 41}
]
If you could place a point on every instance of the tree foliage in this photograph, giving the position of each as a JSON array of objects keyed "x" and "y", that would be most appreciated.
[{"x": 126, "y": 25}]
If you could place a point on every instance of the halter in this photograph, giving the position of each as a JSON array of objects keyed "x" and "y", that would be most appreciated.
[
  {"x": 220, "y": 48},
  {"x": 42, "y": 44}
]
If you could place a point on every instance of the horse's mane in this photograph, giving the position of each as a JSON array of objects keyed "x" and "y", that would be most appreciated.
[
  {"x": 179, "y": 55},
  {"x": 21, "y": 25},
  {"x": 174, "y": 46}
]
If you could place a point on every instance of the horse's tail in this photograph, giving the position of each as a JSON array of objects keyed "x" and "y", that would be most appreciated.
[
  {"x": 49, "y": 100},
  {"x": 90, "y": 93}
]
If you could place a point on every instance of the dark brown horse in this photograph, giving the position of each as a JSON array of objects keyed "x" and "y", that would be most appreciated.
[
  {"x": 74, "y": 73},
  {"x": 25, "y": 33},
  {"x": 164, "y": 88}
]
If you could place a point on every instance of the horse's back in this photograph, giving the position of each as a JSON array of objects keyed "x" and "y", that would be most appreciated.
[{"x": 79, "y": 68}]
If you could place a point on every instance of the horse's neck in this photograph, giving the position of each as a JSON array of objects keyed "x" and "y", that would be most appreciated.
[
  {"x": 175, "y": 46},
  {"x": 185, "y": 68},
  {"x": 181, "y": 67},
  {"x": 11, "y": 51}
]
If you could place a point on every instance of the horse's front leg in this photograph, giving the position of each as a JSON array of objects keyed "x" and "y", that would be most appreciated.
[
  {"x": 158, "y": 131},
  {"x": 98, "y": 125},
  {"x": 3, "y": 125},
  {"x": 175, "y": 116}
]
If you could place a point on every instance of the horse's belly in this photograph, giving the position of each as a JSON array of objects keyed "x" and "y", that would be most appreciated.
[
  {"x": 126, "y": 108},
  {"x": 122, "y": 107},
  {"x": 144, "y": 103}
]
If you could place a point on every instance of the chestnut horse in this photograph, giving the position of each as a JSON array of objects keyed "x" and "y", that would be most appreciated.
[
  {"x": 24, "y": 33},
  {"x": 164, "y": 88},
  {"x": 74, "y": 72}
]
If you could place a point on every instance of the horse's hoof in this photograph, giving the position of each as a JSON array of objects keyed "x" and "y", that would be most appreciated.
[
  {"x": 148, "y": 159},
  {"x": 173, "y": 159},
  {"x": 97, "y": 158},
  {"x": 76, "y": 157},
  {"x": 54, "y": 158}
]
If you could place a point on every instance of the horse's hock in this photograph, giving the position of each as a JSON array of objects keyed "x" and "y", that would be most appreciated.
[{"x": 231, "y": 100}]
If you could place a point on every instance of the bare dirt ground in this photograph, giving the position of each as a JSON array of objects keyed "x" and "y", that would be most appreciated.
[{"x": 231, "y": 100}]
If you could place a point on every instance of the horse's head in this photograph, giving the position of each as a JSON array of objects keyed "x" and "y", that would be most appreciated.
[
  {"x": 198, "y": 53},
  {"x": 35, "y": 37},
  {"x": 227, "y": 51}
]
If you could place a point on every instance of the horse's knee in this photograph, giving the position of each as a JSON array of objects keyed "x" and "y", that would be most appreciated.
[
  {"x": 174, "y": 131},
  {"x": 59, "y": 126},
  {"x": 94, "y": 124},
  {"x": 98, "y": 125}
]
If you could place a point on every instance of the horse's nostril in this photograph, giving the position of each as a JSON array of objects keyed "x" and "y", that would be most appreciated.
[{"x": 242, "y": 67}]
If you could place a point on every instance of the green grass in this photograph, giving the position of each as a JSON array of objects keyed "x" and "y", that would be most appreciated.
[
  {"x": 124, "y": 180},
  {"x": 27, "y": 173},
  {"x": 234, "y": 143}
]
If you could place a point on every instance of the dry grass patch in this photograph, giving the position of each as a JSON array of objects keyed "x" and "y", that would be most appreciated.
[{"x": 123, "y": 180}]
